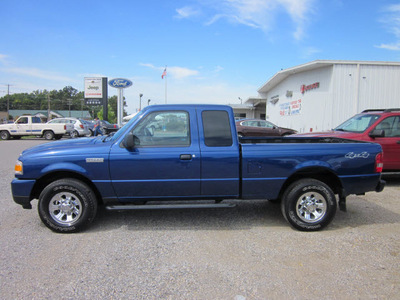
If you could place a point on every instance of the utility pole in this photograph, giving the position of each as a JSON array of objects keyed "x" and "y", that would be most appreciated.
[
  {"x": 69, "y": 101},
  {"x": 8, "y": 101},
  {"x": 48, "y": 107}
]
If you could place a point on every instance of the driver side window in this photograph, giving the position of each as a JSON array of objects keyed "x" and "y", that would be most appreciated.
[
  {"x": 391, "y": 126},
  {"x": 163, "y": 129}
]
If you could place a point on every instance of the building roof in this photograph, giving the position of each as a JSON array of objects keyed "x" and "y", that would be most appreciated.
[
  {"x": 43, "y": 113},
  {"x": 283, "y": 74}
]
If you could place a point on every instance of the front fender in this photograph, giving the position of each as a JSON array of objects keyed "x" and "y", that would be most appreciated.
[{"x": 64, "y": 166}]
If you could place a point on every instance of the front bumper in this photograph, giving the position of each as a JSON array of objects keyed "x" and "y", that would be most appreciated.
[{"x": 21, "y": 192}]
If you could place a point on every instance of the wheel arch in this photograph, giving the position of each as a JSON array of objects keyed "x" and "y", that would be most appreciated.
[
  {"x": 53, "y": 176},
  {"x": 322, "y": 174}
]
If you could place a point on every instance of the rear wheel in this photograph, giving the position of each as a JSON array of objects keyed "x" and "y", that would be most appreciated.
[
  {"x": 48, "y": 135},
  {"x": 74, "y": 134},
  {"x": 309, "y": 205},
  {"x": 67, "y": 205}
]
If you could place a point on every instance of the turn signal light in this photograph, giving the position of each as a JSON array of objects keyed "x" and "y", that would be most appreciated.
[
  {"x": 19, "y": 170},
  {"x": 379, "y": 163}
]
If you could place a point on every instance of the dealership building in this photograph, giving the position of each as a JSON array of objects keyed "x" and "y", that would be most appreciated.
[{"x": 322, "y": 94}]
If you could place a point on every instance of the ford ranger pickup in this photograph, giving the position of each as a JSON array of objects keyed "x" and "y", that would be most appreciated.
[{"x": 174, "y": 155}]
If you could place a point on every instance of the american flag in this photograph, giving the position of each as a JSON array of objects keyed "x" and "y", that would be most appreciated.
[{"x": 164, "y": 73}]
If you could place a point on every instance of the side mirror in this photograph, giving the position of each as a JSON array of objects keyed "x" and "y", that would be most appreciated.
[
  {"x": 377, "y": 133},
  {"x": 130, "y": 141}
]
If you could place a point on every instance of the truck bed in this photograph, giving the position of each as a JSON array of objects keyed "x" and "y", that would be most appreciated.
[{"x": 289, "y": 139}]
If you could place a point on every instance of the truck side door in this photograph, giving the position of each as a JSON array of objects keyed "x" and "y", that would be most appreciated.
[
  {"x": 220, "y": 156},
  {"x": 23, "y": 126},
  {"x": 164, "y": 164}
]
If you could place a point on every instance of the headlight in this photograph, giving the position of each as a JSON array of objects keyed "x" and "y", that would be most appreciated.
[{"x": 19, "y": 169}]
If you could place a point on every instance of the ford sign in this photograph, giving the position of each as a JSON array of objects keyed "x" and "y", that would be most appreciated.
[{"x": 120, "y": 83}]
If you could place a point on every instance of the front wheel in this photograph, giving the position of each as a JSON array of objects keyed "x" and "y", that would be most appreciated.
[
  {"x": 308, "y": 205},
  {"x": 67, "y": 205},
  {"x": 4, "y": 135}
]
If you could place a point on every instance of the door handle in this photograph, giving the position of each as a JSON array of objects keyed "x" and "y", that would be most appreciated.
[{"x": 185, "y": 157}]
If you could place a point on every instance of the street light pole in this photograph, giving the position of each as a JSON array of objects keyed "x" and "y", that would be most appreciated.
[
  {"x": 148, "y": 102},
  {"x": 140, "y": 101}
]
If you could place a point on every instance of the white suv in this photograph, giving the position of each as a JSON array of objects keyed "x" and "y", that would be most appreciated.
[{"x": 80, "y": 129}]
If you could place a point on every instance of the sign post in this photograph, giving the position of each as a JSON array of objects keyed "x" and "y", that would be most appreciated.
[
  {"x": 120, "y": 84},
  {"x": 96, "y": 93}
]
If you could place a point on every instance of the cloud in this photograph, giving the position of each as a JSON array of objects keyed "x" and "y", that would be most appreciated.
[
  {"x": 308, "y": 52},
  {"x": 260, "y": 14},
  {"x": 37, "y": 73},
  {"x": 186, "y": 12},
  {"x": 391, "y": 20},
  {"x": 175, "y": 72},
  {"x": 3, "y": 58}
]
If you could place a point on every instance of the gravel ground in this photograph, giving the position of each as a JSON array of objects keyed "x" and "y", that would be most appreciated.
[{"x": 246, "y": 252}]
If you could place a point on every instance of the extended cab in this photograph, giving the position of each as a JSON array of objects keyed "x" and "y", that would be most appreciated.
[
  {"x": 380, "y": 126},
  {"x": 192, "y": 152},
  {"x": 33, "y": 126}
]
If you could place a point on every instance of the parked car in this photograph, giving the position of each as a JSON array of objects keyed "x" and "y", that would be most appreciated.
[
  {"x": 107, "y": 128},
  {"x": 255, "y": 127},
  {"x": 90, "y": 126},
  {"x": 80, "y": 129},
  {"x": 381, "y": 126}
]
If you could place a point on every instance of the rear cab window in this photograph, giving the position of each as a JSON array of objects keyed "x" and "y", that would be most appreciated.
[{"x": 217, "y": 128}]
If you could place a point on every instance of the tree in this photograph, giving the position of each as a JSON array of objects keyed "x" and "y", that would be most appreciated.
[
  {"x": 112, "y": 118},
  {"x": 64, "y": 99}
]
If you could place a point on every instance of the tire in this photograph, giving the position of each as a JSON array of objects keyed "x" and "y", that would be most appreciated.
[
  {"x": 4, "y": 135},
  {"x": 74, "y": 134},
  {"x": 67, "y": 205},
  {"x": 48, "y": 135},
  {"x": 308, "y": 205}
]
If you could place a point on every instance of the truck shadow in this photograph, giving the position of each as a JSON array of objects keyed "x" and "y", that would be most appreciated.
[
  {"x": 246, "y": 215},
  {"x": 392, "y": 179}
]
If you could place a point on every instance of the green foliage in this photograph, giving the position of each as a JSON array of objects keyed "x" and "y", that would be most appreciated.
[
  {"x": 112, "y": 118},
  {"x": 65, "y": 99}
]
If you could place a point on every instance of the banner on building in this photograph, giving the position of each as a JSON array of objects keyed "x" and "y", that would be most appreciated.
[{"x": 290, "y": 108}]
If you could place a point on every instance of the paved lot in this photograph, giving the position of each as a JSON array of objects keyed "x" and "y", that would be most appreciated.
[{"x": 247, "y": 252}]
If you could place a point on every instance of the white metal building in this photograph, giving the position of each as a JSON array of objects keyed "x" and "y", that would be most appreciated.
[{"x": 322, "y": 94}]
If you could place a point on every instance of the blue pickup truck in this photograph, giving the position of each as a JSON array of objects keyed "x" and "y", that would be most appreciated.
[{"x": 175, "y": 155}]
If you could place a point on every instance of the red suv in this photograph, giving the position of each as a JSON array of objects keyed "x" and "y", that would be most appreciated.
[{"x": 380, "y": 126}]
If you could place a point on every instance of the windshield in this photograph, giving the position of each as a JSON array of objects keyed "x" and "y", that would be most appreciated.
[
  {"x": 124, "y": 128},
  {"x": 358, "y": 123}
]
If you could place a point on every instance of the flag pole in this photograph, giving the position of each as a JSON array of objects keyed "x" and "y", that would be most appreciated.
[{"x": 166, "y": 79}]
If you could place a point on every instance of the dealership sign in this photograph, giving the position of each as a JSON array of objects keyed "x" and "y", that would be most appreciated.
[
  {"x": 120, "y": 83},
  {"x": 93, "y": 87},
  {"x": 304, "y": 88}
]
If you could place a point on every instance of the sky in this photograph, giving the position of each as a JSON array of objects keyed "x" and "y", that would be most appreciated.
[{"x": 214, "y": 51}]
